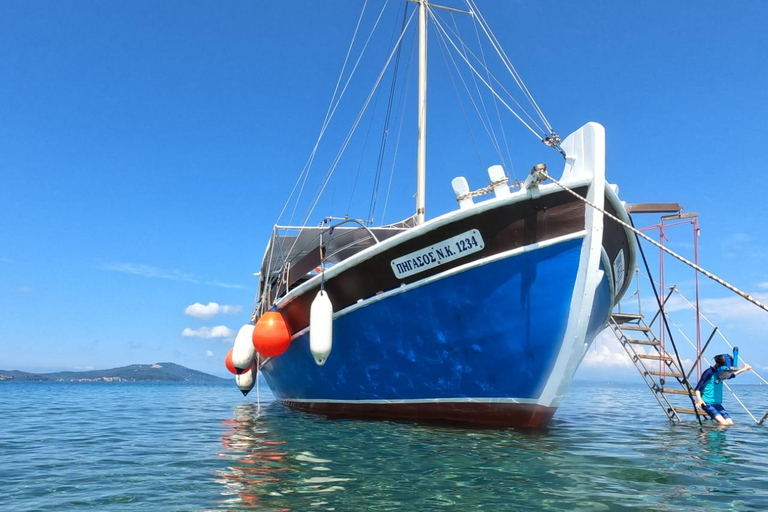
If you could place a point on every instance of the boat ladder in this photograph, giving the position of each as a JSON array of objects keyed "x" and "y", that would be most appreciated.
[{"x": 668, "y": 382}]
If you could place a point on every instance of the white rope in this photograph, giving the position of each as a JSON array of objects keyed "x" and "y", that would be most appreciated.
[
  {"x": 495, "y": 103},
  {"x": 654, "y": 242},
  {"x": 356, "y": 123},
  {"x": 399, "y": 132},
  {"x": 328, "y": 115},
  {"x": 327, "y": 121},
  {"x": 711, "y": 324},
  {"x": 258, "y": 390},
  {"x": 507, "y": 62},
  {"x": 493, "y": 137},
  {"x": 740, "y": 402},
  {"x": 693, "y": 346},
  {"x": 498, "y": 82},
  {"x": 511, "y": 110},
  {"x": 719, "y": 332},
  {"x": 488, "y": 130}
]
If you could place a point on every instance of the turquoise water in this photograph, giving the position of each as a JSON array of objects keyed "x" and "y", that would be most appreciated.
[{"x": 171, "y": 447}]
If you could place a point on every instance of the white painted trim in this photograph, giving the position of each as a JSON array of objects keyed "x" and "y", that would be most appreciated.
[
  {"x": 416, "y": 401},
  {"x": 585, "y": 150},
  {"x": 422, "y": 229},
  {"x": 608, "y": 269},
  {"x": 462, "y": 268},
  {"x": 621, "y": 213}
]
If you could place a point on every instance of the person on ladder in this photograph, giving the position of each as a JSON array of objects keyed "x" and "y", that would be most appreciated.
[{"x": 709, "y": 389}]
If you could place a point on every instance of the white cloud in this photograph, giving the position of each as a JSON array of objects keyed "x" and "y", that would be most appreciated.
[
  {"x": 157, "y": 273},
  {"x": 735, "y": 308},
  {"x": 724, "y": 308},
  {"x": 208, "y": 353},
  {"x": 206, "y": 311},
  {"x": 764, "y": 286},
  {"x": 220, "y": 331},
  {"x": 606, "y": 352},
  {"x": 24, "y": 289},
  {"x": 739, "y": 238},
  {"x": 6, "y": 260}
]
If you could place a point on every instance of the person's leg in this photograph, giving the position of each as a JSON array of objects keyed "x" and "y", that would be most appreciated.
[
  {"x": 724, "y": 414},
  {"x": 716, "y": 413}
]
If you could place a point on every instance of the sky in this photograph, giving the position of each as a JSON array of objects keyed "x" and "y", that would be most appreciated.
[{"x": 147, "y": 149}]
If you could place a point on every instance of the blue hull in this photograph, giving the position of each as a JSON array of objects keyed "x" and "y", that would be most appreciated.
[{"x": 491, "y": 333}]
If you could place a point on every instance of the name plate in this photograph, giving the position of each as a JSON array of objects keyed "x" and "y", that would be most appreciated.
[{"x": 442, "y": 252}]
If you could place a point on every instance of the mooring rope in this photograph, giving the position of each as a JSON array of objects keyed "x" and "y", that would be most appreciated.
[{"x": 542, "y": 172}]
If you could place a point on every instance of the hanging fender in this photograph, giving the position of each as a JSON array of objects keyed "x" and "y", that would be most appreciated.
[{"x": 321, "y": 327}]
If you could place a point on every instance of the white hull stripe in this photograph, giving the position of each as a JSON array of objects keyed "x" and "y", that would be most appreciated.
[
  {"x": 472, "y": 264},
  {"x": 417, "y": 401}
]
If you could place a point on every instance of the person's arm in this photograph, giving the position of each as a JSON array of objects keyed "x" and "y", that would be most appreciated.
[
  {"x": 746, "y": 368},
  {"x": 708, "y": 373},
  {"x": 699, "y": 402}
]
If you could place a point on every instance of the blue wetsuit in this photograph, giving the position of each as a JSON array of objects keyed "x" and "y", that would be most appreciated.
[{"x": 711, "y": 388}]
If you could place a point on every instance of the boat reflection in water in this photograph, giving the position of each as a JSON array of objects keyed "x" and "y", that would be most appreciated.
[{"x": 263, "y": 475}]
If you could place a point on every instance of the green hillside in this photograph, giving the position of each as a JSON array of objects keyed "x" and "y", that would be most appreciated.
[{"x": 159, "y": 372}]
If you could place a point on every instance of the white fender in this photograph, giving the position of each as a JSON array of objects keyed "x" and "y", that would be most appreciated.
[
  {"x": 246, "y": 379},
  {"x": 243, "y": 351},
  {"x": 321, "y": 327}
]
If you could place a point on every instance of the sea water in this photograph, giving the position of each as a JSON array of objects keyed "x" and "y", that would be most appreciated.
[{"x": 180, "y": 447}]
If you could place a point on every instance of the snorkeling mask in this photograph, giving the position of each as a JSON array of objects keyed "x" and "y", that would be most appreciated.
[{"x": 731, "y": 365}]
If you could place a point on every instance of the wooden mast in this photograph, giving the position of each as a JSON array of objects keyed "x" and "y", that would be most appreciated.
[{"x": 421, "y": 158}]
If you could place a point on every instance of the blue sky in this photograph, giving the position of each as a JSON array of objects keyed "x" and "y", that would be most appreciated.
[{"x": 146, "y": 149}]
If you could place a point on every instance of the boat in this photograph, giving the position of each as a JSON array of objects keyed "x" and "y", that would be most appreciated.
[{"x": 480, "y": 315}]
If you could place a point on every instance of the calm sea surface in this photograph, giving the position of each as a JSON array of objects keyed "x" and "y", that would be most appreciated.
[{"x": 171, "y": 447}]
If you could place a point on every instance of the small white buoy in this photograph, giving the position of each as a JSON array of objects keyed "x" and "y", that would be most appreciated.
[
  {"x": 243, "y": 351},
  {"x": 321, "y": 327},
  {"x": 246, "y": 379}
]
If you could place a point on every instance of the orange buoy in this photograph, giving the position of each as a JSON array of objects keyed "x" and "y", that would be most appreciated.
[
  {"x": 228, "y": 362},
  {"x": 271, "y": 336}
]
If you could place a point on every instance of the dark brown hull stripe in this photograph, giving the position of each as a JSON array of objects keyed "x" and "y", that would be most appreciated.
[
  {"x": 467, "y": 413},
  {"x": 502, "y": 229}
]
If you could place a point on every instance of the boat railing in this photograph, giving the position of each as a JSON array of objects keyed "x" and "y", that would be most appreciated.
[{"x": 302, "y": 252}]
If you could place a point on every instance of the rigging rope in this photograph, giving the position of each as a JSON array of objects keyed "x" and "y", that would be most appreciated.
[
  {"x": 690, "y": 342},
  {"x": 445, "y": 51},
  {"x": 672, "y": 253},
  {"x": 490, "y": 88},
  {"x": 311, "y": 159},
  {"x": 385, "y": 131},
  {"x": 492, "y": 134},
  {"x": 355, "y": 124},
  {"x": 495, "y": 103},
  {"x": 404, "y": 100},
  {"x": 720, "y": 332},
  {"x": 328, "y": 115},
  {"x": 481, "y": 63},
  {"x": 684, "y": 380},
  {"x": 507, "y": 62}
]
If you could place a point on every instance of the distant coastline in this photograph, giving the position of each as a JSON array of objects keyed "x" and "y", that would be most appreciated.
[{"x": 158, "y": 372}]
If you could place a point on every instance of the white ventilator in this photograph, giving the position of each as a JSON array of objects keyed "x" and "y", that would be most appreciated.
[
  {"x": 246, "y": 379},
  {"x": 321, "y": 328},
  {"x": 243, "y": 351}
]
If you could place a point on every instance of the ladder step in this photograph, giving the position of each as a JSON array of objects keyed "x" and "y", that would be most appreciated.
[
  {"x": 675, "y": 391},
  {"x": 688, "y": 411},
  {"x": 654, "y": 357},
  {"x": 643, "y": 342},
  {"x": 635, "y": 328},
  {"x": 665, "y": 374},
  {"x": 622, "y": 318}
]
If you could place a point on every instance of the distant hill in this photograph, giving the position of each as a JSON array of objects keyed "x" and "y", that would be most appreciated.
[{"x": 160, "y": 372}]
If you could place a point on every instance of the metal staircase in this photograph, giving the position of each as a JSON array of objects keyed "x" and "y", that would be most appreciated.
[{"x": 667, "y": 381}]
